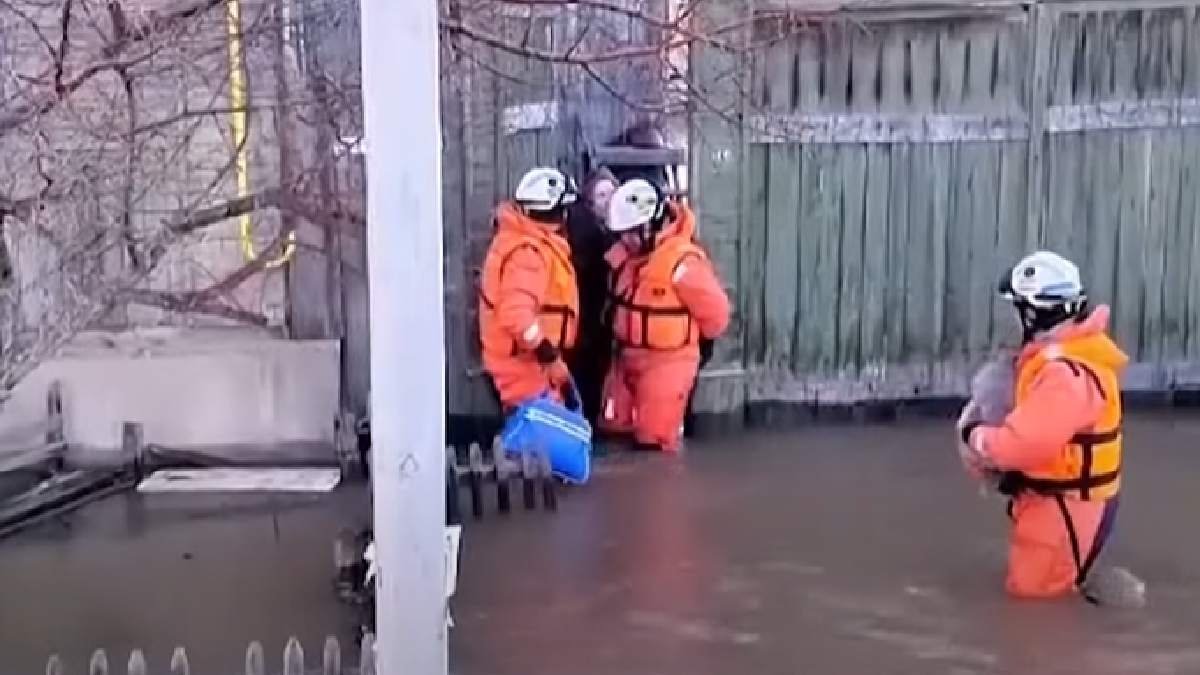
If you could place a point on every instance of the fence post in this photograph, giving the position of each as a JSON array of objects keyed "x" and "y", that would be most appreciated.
[
  {"x": 137, "y": 663},
  {"x": 132, "y": 446},
  {"x": 54, "y": 413},
  {"x": 99, "y": 663},
  {"x": 179, "y": 662},
  {"x": 366, "y": 660},
  {"x": 331, "y": 660},
  {"x": 255, "y": 662},
  {"x": 1037, "y": 101},
  {"x": 293, "y": 657},
  {"x": 55, "y": 424}
]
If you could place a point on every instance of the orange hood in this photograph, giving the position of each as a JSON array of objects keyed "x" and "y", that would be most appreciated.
[
  {"x": 1089, "y": 338},
  {"x": 509, "y": 217}
]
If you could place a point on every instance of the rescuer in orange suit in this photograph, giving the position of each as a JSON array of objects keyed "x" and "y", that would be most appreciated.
[
  {"x": 529, "y": 299},
  {"x": 1057, "y": 453},
  {"x": 667, "y": 307}
]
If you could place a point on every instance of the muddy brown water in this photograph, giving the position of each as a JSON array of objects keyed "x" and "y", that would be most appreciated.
[
  {"x": 209, "y": 573},
  {"x": 830, "y": 550}
]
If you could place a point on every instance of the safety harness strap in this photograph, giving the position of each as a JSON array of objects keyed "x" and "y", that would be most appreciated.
[{"x": 1081, "y": 569}]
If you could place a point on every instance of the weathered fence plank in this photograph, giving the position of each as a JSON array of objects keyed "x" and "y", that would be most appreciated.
[
  {"x": 255, "y": 659},
  {"x": 782, "y": 224},
  {"x": 367, "y": 659},
  {"x": 809, "y": 327},
  {"x": 179, "y": 662},
  {"x": 99, "y": 663},
  {"x": 1177, "y": 235},
  {"x": 331, "y": 659},
  {"x": 1189, "y": 215},
  {"x": 293, "y": 658},
  {"x": 137, "y": 663},
  {"x": 895, "y": 278}
]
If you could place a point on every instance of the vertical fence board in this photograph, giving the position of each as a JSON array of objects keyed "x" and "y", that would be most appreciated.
[
  {"x": 1190, "y": 211},
  {"x": 1176, "y": 244},
  {"x": 1012, "y": 166},
  {"x": 1063, "y": 161},
  {"x": 869, "y": 74},
  {"x": 1134, "y": 173},
  {"x": 954, "y": 229},
  {"x": 922, "y": 289},
  {"x": 1036, "y": 95},
  {"x": 780, "y": 227},
  {"x": 137, "y": 663},
  {"x": 255, "y": 659},
  {"x": 751, "y": 253},
  {"x": 813, "y": 306},
  {"x": 1161, "y": 187},
  {"x": 862, "y": 67},
  {"x": 984, "y": 186},
  {"x": 99, "y": 663},
  {"x": 367, "y": 660},
  {"x": 896, "y": 269},
  {"x": 179, "y": 662},
  {"x": 293, "y": 658},
  {"x": 1103, "y": 161},
  {"x": 331, "y": 659}
]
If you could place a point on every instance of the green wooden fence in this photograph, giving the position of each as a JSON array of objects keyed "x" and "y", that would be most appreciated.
[
  {"x": 886, "y": 163},
  {"x": 505, "y": 111}
]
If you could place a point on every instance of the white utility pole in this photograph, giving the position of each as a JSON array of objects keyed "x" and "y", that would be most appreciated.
[{"x": 408, "y": 388}]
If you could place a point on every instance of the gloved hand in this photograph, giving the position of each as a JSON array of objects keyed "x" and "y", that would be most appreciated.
[
  {"x": 559, "y": 376},
  {"x": 706, "y": 351}
]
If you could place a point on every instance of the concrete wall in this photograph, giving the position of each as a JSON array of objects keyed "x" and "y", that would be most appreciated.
[{"x": 189, "y": 388}]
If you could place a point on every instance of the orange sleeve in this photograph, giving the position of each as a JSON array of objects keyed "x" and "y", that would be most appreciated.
[
  {"x": 523, "y": 284},
  {"x": 1062, "y": 402},
  {"x": 700, "y": 290}
]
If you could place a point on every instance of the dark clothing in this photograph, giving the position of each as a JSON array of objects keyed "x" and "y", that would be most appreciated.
[
  {"x": 655, "y": 175},
  {"x": 590, "y": 359}
]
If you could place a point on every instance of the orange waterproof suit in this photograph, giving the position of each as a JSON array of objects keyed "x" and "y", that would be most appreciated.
[
  {"x": 527, "y": 294},
  {"x": 663, "y": 304},
  {"x": 1060, "y": 451}
]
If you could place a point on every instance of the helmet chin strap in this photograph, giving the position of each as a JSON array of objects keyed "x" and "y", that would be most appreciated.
[
  {"x": 1037, "y": 321},
  {"x": 553, "y": 217}
]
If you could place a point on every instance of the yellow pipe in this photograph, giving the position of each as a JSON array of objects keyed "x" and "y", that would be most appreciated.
[{"x": 237, "y": 125}]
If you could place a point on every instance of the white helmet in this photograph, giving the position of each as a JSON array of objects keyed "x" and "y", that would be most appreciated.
[
  {"x": 1044, "y": 280},
  {"x": 545, "y": 189},
  {"x": 633, "y": 205}
]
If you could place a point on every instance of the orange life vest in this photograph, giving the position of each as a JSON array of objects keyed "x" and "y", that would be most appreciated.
[
  {"x": 1089, "y": 466},
  {"x": 558, "y": 315},
  {"x": 647, "y": 311}
]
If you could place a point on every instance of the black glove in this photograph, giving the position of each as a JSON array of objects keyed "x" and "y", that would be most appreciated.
[
  {"x": 546, "y": 353},
  {"x": 706, "y": 351},
  {"x": 570, "y": 396}
]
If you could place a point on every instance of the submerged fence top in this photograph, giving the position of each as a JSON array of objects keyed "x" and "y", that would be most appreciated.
[{"x": 256, "y": 662}]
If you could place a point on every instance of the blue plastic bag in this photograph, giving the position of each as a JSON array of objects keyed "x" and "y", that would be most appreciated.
[{"x": 547, "y": 427}]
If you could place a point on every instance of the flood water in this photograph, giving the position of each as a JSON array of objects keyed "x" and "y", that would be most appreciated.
[
  {"x": 842, "y": 549},
  {"x": 832, "y": 550},
  {"x": 209, "y": 573}
]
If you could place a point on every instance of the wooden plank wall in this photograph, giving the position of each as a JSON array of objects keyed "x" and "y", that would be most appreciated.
[
  {"x": 882, "y": 246},
  {"x": 892, "y": 163},
  {"x": 504, "y": 113}
]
